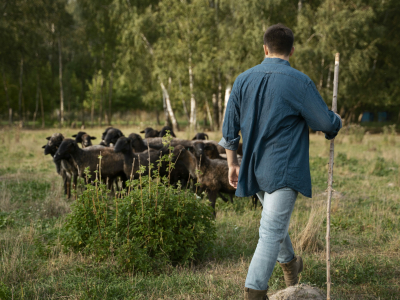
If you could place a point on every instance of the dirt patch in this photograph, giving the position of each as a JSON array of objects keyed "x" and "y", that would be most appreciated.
[{"x": 299, "y": 292}]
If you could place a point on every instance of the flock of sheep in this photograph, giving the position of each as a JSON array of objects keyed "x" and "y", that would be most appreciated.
[{"x": 199, "y": 159}]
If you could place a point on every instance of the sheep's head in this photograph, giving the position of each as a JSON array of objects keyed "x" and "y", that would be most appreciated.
[
  {"x": 112, "y": 136},
  {"x": 211, "y": 150},
  {"x": 103, "y": 135},
  {"x": 78, "y": 136},
  {"x": 198, "y": 148},
  {"x": 179, "y": 151},
  {"x": 150, "y": 132},
  {"x": 87, "y": 140},
  {"x": 53, "y": 143},
  {"x": 201, "y": 136},
  {"x": 163, "y": 131},
  {"x": 123, "y": 145},
  {"x": 65, "y": 149}
]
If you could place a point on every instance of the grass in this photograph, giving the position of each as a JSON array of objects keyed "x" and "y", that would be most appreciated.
[{"x": 365, "y": 230}]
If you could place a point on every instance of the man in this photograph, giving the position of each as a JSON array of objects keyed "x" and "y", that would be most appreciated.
[{"x": 273, "y": 105}]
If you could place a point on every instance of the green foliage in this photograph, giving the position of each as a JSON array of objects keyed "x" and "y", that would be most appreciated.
[
  {"x": 146, "y": 227},
  {"x": 5, "y": 293},
  {"x": 383, "y": 167},
  {"x": 357, "y": 133},
  {"x": 389, "y": 135}
]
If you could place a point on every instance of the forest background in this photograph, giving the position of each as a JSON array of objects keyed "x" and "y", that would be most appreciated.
[{"x": 97, "y": 62}]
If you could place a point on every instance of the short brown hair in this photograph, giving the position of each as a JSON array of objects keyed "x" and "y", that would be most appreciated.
[{"x": 279, "y": 39}]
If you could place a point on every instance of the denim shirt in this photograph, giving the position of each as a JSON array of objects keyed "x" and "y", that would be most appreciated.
[{"x": 273, "y": 105}]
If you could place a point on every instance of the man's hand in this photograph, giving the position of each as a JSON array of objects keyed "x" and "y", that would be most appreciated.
[{"x": 233, "y": 175}]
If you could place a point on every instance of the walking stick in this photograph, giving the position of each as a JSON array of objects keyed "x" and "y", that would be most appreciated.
[{"x": 330, "y": 181}]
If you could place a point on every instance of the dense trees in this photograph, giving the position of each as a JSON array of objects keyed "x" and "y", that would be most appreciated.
[{"x": 82, "y": 60}]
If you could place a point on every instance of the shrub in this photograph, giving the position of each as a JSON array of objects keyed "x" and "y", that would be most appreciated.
[{"x": 145, "y": 227}]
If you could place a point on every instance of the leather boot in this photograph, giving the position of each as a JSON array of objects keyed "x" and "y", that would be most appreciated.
[
  {"x": 250, "y": 294},
  {"x": 291, "y": 270}
]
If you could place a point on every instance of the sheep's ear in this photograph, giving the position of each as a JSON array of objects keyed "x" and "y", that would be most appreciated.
[
  {"x": 92, "y": 137},
  {"x": 44, "y": 146},
  {"x": 206, "y": 136},
  {"x": 48, "y": 138},
  {"x": 142, "y": 131},
  {"x": 75, "y": 135}
]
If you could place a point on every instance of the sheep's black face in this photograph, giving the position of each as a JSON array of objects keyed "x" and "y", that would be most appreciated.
[
  {"x": 87, "y": 140},
  {"x": 166, "y": 129},
  {"x": 78, "y": 136},
  {"x": 200, "y": 136},
  {"x": 211, "y": 150},
  {"x": 65, "y": 149},
  {"x": 103, "y": 135},
  {"x": 198, "y": 149},
  {"x": 53, "y": 144},
  {"x": 112, "y": 136},
  {"x": 123, "y": 145}
]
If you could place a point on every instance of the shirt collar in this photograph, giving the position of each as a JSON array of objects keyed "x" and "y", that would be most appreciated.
[{"x": 275, "y": 60}]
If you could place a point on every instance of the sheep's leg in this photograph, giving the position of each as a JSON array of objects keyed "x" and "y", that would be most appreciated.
[
  {"x": 68, "y": 181},
  {"x": 254, "y": 201},
  {"x": 212, "y": 197},
  {"x": 223, "y": 197},
  {"x": 231, "y": 198},
  {"x": 75, "y": 180}
]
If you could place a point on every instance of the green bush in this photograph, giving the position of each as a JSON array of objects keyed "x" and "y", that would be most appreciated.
[{"x": 145, "y": 227}]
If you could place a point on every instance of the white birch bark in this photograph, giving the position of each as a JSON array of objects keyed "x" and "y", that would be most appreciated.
[
  {"x": 60, "y": 80},
  {"x": 227, "y": 94},
  {"x": 193, "y": 120},
  {"x": 215, "y": 111},
  {"x": 170, "y": 111},
  {"x": 209, "y": 115},
  {"x": 219, "y": 101}
]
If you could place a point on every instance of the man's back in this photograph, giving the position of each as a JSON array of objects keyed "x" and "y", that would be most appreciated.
[{"x": 272, "y": 105}]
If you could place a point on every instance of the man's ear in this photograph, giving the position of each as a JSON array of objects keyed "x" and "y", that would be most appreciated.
[
  {"x": 265, "y": 50},
  {"x": 291, "y": 52}
]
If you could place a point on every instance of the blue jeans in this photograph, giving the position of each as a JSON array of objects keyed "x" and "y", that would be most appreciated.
[{"x": 274, "y": 242}]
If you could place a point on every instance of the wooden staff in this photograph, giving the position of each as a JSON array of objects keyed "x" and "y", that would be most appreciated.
[{"x": 330, "y": 181}]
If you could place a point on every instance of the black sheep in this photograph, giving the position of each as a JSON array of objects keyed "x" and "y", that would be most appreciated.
[{"x": 200, "y": 136}]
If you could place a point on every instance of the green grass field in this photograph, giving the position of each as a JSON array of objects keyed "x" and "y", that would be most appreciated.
[{"x": 365, "y": 230}]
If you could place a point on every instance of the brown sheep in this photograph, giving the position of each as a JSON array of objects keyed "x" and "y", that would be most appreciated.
[
  {"x": 132, "y": 161},
  {"x": 212, "y": 174},
  {"x": 150, "y": 132},
  {"x": 112, "y": 164},
  {"x": 87, "y": 140},
  {"x": 200, "y": 136},
  {"x": 65, "y": 166}
]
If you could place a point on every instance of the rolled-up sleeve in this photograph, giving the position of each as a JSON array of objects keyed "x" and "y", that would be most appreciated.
[
  {"x": 231, "y": 127},
  {"x": 317, "y": 115}
]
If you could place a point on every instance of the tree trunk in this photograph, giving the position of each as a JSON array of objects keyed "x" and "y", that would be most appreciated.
[
  {"x": 110, "y": 94},
  {"x": 21, "y": 73},
  {"x": 7, "y": 97},
  {"x": 227, "y": 94},
  {"x": 192, "y": 122},
  {"x": 219, "y": 101},
  {"x": 209, "y": 115},
  {"x": 82, "y": 100},
  {"x": 328, "y": 83},
  {"x": 37, "y": 102},
  {"x": 101, "y": 100},
  {"x": 166, "y": 118},
  {"x": 170, "y": 111},
  {"x": 93, "y": 100},
  {"x": 101, "y": 89},
  {"x": 60, "y": 79},
  {"x": 41, "y": 106},
  {"x": 321, "y": 79},
  {"x": 184, "y": 103},
  {"x": 215, "y": 112}
]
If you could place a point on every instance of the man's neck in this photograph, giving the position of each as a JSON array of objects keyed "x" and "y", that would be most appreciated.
[{"x": 277, "y": 56}]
